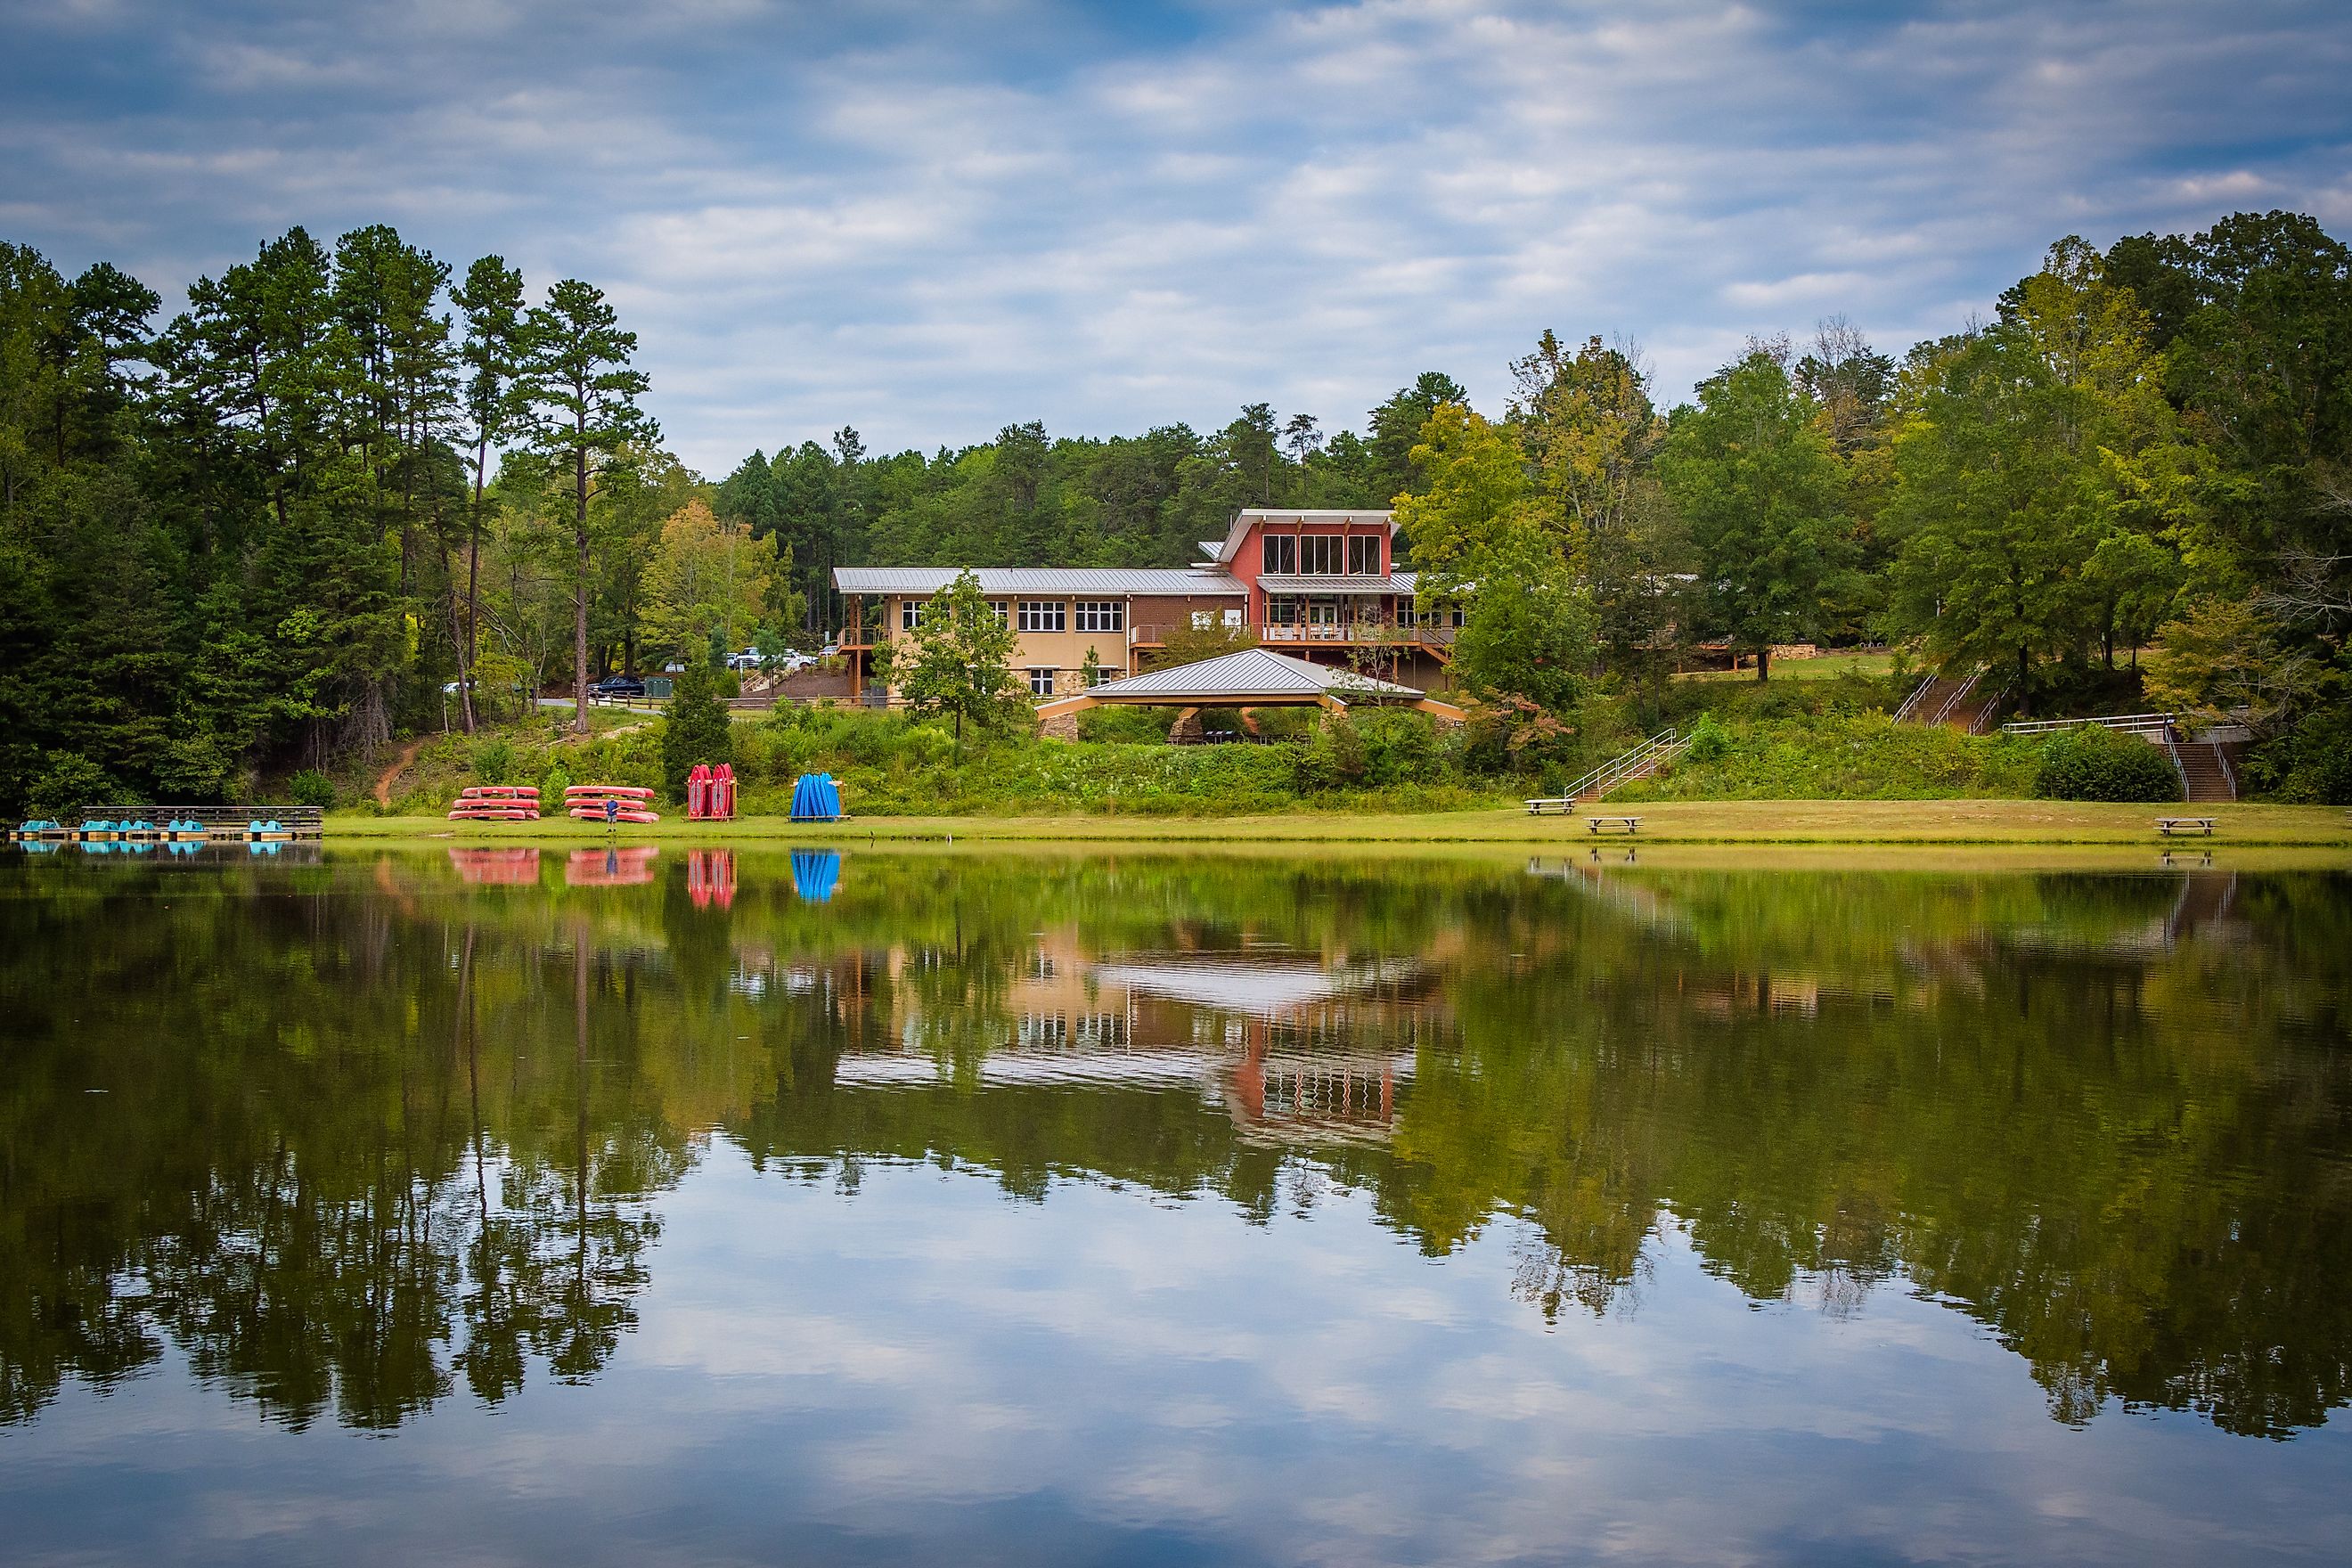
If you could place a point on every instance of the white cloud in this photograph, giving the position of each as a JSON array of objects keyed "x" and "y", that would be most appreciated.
[{"x": 929, "y": 223}]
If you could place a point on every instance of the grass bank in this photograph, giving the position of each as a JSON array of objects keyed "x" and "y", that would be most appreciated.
[{"x": 1734, "y": 822}]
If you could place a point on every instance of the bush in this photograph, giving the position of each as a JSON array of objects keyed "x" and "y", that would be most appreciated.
[
  {"x": 1336, "y": 757},
  {"x": 494, "y": 761},
  {"x": 70, "y": 786},
  {"x": 2310, "y": 764},
  {"x": 552, "y": 786},
  {"x": 1708, "y": 739},
  {"x": 311, "y": 787},
  {"x": 2093, "y": 762}
]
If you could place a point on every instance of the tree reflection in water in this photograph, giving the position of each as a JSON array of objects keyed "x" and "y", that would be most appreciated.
[{"x": 347, "y": 1134}]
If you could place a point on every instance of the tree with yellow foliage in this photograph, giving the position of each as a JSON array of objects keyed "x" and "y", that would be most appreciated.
[{"x": 709, "y": 582}]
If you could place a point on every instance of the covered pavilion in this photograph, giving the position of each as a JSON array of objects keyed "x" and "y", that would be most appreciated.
[{"x": 1253, "y": 678}]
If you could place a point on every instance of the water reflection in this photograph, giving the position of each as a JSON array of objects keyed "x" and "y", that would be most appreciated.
[{"x": 346, "y": 1135}]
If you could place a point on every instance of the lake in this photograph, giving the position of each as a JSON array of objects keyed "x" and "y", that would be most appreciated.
[{"x": 1045, "y": 1207}]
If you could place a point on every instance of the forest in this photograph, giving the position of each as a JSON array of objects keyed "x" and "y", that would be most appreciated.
[{"x": 351, "y": 494}]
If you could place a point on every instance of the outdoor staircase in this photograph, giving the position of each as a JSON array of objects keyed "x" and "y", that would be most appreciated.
[
  {"x": 2205, "y": 773},
  {"x": 1963, "y": 702},
  {"x": 1640, "y": 763},
  {"x": 1932, "y": 700}
]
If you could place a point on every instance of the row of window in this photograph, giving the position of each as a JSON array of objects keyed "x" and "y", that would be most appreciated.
[
  {"x": 1322, "y": 555},
  {"x": 1292, "y": 609},
  {"x": 1038, "y": 614}
]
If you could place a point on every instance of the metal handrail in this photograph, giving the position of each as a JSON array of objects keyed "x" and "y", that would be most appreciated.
[
  {"x": 2127, "y": 721},
  {"x": 1958, "y": 697},
  {"x": 1911, "y": 701},
  {"x": 1985, "y": 713},
  {"x": 1614, "y": 771}
]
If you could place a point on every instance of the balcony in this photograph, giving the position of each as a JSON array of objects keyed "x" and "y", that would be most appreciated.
[{"x": 1316, "y": 634}]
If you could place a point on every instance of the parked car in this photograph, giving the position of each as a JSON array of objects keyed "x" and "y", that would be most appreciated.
[{"x": 616, "y": 687}]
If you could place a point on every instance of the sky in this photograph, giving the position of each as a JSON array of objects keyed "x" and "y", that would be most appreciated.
[{"x": 929, "y": 221}]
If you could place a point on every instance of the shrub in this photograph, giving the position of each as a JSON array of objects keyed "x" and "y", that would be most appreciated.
[
  {"x": 494, "y": 761},
  {"x": 1399, "y": 747},
  {"x": 2093, "y": 762},
  {"x": 1708, "y": 739},
  {"x": 2310, "y": 764},
  {"x": 311, "y": 787},
  {"x": 552, "y": 786},
  {"x": 70, "y": 786},
  {"x": 1335, "y": 758}
]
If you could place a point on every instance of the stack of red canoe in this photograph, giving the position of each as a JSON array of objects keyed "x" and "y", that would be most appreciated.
[
  {"x": 496, "y": 802},
  {"x": 586, "y": 802}
]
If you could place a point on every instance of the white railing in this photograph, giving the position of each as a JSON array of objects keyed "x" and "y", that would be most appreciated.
[
  {"x": 1984, "y": 714},
  {"x": 1911, "y": 701},
  {"x": 2180, "y": 768},
  {"x": 1647, "y": 756},
  {"x": 1958, "y": 696},
  {"x": 2229, "y": 773},
  {"x": 2129, "y": 723}
]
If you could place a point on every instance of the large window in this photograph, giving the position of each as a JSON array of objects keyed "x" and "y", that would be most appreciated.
[
  {"x": 1364, "y": 556},
  {"x": 911, "y": 614},
  {"x": 1281, "y": 610},
  {"x": 996, "y": 608},
  {"x": 1281, "y": 555},
  {"x": 1044, "y": 616},
  {"x": 1102, "y": 614},
  {"x": 1318, "y": 555},
  {"x": 1041, "y": 682}
]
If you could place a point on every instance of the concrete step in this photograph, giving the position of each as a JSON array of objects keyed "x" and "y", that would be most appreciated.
[{"x": 2209, "y": 777}]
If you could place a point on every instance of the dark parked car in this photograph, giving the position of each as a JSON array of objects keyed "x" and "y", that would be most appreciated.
[{"x": 614, "y": 686}]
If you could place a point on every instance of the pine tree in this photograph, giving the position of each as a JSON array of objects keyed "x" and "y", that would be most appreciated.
[{"x": 695, "y": 727}]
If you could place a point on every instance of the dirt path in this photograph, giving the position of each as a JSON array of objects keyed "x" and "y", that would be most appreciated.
[{"x": 401, "y": 763}]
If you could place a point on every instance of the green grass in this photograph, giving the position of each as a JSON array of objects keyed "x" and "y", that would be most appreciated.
[
  {"x": 1857, "y": 755},
  {"x": 1747, "y": 822},
  {"x": 1827, "y": 667}
]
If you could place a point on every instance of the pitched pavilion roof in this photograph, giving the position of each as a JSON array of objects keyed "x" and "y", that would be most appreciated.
[
  {"x": 1251, "y": 672},
  {"x": 1112, "y": 580}
]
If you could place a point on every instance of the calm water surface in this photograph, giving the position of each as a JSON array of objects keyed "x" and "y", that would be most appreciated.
[{"x": 524, "y": 1206}]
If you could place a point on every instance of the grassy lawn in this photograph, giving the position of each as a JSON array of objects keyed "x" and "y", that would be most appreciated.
[
  {"x": 1828, "y": 667},
  {"x": 1886, "y": 821}
]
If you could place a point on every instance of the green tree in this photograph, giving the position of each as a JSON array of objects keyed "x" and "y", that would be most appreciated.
[
  {"x": 1529, "y": 630},
  {"x": 958, "y": 660},
  {"x": 1760, "y": 489},
  {"x": 581, "y": 416},
  {"x": 695, "y": 726},
  {"x": 1391, "y": 468},
  {"x": 490, "y": 301}
]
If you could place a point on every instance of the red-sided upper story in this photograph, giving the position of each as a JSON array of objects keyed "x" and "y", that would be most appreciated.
[{"x": 1276, "y": 552}]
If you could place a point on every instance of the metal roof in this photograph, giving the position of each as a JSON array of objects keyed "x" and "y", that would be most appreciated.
[
  {"x": 1334, "y": 585},
  {"x": 1268, "y": 516},
  {"x": 1037, "y": 580},
  {"x": 1251, "y": 672}
]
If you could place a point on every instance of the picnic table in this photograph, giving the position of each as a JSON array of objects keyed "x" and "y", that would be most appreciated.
[
  {"x": 2168, "y": 825},
  {"x": 1613, "y": 824},
  {"x": 1560, "y": 805}
]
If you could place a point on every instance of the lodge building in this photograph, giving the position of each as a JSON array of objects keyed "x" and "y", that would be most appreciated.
[{"x": 1320, "y": 586}]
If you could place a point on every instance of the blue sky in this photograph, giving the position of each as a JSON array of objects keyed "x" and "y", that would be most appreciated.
[{"x": 931, "y": 221}]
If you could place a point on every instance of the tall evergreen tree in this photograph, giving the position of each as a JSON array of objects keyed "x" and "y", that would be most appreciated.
[{"x": 581, "y": 397}]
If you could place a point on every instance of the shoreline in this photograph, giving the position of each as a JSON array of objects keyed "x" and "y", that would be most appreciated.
[{"x": 1876, "y": 823}]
